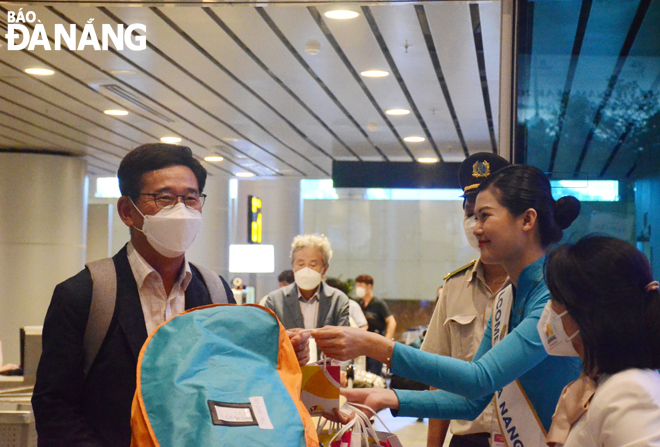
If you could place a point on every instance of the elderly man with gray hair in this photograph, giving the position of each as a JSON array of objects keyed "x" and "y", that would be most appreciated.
[{"x": 309, "y": 302}]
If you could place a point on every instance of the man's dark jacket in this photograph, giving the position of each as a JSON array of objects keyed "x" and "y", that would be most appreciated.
[{"x": 71, "y": 409}]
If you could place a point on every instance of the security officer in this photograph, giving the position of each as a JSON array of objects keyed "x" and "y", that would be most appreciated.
[{"x": 464, "y": 307}]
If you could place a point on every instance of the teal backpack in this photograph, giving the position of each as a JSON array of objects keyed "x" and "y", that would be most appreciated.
[{"x": 220, "y": 375}]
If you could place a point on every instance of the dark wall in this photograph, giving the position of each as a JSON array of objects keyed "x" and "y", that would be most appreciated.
[
  {"x": 410, "y": 314},
  {"x": 647, "y": 201}
]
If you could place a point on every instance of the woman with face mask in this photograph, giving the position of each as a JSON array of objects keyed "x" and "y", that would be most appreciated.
[
  {"x": 605, "y": 307},
  {"x": 517, "y": 220}
]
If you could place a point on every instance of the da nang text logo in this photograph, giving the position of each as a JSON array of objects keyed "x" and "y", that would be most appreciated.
[{"x": 20, "y": 36}]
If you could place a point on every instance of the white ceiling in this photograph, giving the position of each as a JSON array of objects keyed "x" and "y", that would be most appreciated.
[{"x": 235, "y": 80}]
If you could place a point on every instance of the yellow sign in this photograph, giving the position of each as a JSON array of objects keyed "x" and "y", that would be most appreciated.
[{"x": 255, "y": 221}]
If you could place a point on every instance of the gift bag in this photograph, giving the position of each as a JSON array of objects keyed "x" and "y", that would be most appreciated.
[
  {"x": 327, "y": 431},
  {"x": 359, "y": 432},
  {"x": 320, "y": 387}
]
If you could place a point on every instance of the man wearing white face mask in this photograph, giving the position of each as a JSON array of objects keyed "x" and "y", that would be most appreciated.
[
  {"x": 464, "y": 307},
  {"x": 309, "y": 302},
  {"x": 83, "y": 400},
  {"x": 82, "y": 404}
]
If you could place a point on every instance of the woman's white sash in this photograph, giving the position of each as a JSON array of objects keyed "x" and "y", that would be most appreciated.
[{"x": 519, "y": 425}]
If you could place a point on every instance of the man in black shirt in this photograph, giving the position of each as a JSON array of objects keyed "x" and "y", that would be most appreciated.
[{"x": 379, "y": 317}]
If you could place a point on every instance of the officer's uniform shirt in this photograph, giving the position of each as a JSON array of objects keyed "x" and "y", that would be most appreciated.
[{"x": 457, "y": 327}]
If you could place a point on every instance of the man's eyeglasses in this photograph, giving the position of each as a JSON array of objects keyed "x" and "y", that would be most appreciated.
[{"x": 164, "y": 200}]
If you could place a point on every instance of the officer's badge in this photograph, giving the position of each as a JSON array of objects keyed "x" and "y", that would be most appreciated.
[{"x": 481, "y": 169}]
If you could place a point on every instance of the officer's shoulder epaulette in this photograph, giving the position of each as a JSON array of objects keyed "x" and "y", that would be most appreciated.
[{"x": 457, "y": 271}]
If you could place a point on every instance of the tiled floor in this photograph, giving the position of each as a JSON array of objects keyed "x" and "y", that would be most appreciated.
[{"x": 410, "y": 431}]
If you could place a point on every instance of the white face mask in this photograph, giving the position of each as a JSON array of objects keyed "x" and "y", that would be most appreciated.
[
  {"x": 468, "y": 226},
  {"x": 554, "y": 338},
  {"x": 307, "y": 279},
  {"x": 171, "y": 231},
  {"x": 360, "y": 292}
]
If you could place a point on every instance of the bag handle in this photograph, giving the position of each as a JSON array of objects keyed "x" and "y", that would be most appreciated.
[
  {"x": 321, "y": 423},
  {"x": 325, "y": 361},
  {"x": 361, "y": 424},
  {"x": 344, "y": 429},
  {"x": 365, "y": 407},
  {"x": 368, "y": 427}
]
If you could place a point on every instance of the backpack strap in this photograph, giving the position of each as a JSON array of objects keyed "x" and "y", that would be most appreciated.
[
  {"x": 214, "y": 285},
  {"x": 104, "y": 297}
]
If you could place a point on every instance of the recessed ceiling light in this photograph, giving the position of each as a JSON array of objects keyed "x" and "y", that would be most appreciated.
[
  {"x": 414, "y": 139},
  {"x": 39, "y": 71},
  {"x": 244, "y": 174},
  {"x": 230, "y": 139},
  {"x": 341, "y": 14},
  {"x": 397, "y": 112},
  {"x": 214, "y": 158},
  {"x": 171, "y": 140},
  {"x": 427, "y": 160},
  {"x": 116, "y": 112},
  {"x": 374, "y": 73},
  {"x": 122, "y": 72}
]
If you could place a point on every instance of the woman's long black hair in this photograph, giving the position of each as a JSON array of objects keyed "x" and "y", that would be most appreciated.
[{"x": 602, "y": 283}]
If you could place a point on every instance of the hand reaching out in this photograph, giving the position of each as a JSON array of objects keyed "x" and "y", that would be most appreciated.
[
  {"x": 300, "y": 341},
  {"x": 375, "y": 398},
  {"x": 340, "y": 342},
  {"x": 345, "y": 343}
]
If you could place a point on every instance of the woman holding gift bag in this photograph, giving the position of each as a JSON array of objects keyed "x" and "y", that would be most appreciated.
[{"x": 517, "y": 220}]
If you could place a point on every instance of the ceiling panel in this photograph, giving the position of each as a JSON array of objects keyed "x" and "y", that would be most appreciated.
[
  {"x": 490, "y": 23},
  {"x": 294, "y": 28},
  {"x": 376, "y": 141},
  {"x": 224, "y": 79},
  {"x": 361, "y": 49},
  {"x": 403, "y": 36},
  {"x": 192, "y": 105},
  {"x": 282, "y": 82},
  {"x": 455, "y": 42},
  {"x": 52, "y": 137},
  {"x": 236, "y": 80},
  {"x": 230, "y": 85}
]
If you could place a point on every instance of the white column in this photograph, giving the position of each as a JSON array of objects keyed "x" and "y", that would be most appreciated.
[
  {"x": 211, "y": 247},
  {"x": 100, "y": 218},
  {"x": 282, "y": 221},
  {"x": 42, "y": 236}
]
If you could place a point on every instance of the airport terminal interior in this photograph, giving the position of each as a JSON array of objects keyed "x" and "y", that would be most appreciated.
[{"x": 343, "y": 119}]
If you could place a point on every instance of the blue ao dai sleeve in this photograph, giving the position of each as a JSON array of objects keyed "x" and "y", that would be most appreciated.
[{"x": 467, "y": 386}]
